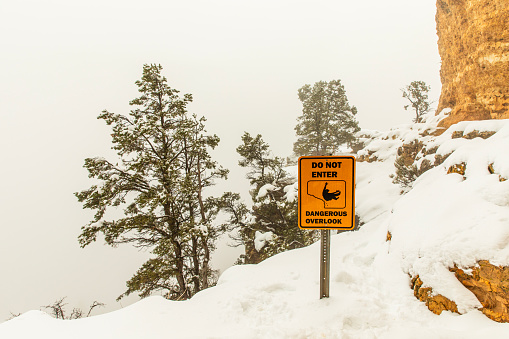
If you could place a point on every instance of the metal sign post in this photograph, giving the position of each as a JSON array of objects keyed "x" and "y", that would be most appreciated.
[{"x": 324, "y": 263}]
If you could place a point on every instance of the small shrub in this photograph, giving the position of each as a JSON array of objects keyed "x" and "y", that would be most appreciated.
[{"x": 407, "y": 174}]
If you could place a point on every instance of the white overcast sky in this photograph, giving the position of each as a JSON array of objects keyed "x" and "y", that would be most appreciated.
[{"x": 64, "y": 61}]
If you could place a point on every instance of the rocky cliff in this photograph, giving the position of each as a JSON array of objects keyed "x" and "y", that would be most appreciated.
[{"x": 473, "y": 42}]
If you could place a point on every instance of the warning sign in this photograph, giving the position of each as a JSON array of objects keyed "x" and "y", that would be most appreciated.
[{"x": 327, "y": 192}]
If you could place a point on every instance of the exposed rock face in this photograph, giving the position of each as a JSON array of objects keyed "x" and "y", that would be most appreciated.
[
  {"x": 490, "y": 284},
  {"x": 473, "y": 42},
  {"x": 436, "y": 303}
]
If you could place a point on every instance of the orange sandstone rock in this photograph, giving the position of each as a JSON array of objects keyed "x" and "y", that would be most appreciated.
[
  {"x": 436, "y": 303},
  {"x": 458, "y": 168},
  {"x": 473, "y": 42},
  {"x": 490, "y": 284}
]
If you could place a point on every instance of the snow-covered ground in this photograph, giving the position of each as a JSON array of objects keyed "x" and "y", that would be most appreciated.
[{"x": 444, "y": 220}]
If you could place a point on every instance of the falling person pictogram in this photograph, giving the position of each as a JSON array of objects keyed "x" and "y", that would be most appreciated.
[{"x": 328, "y": 196}]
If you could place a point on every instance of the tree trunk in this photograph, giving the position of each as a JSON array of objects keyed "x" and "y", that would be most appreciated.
[
  {"x": 196, "y": 265},
  {"x": 177, "y": 250},
  {"x": 184, "y": 292},
  {"x": 205, "y": 267}
]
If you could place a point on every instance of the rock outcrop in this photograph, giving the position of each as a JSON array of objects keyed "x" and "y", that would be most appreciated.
[
  {"x": 436, "y": 303},
  {"x": 490, "y": 284},
  {"x": 473, "y": 42}
]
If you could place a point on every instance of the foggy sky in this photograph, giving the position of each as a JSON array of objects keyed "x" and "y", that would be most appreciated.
[{"x": 63, "y": 62}]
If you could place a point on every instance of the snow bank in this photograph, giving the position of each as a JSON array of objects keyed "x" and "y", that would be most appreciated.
[
  {"x": 449, "y": 220},
  {"x": 444, "y": 220}
]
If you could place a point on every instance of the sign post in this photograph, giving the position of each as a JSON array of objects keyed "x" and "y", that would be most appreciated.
[
  {"x": 324, "y": 263},
  {"x": 326, "y": 202}
]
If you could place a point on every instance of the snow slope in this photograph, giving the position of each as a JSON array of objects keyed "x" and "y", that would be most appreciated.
[{"x": 445, "y": 219}]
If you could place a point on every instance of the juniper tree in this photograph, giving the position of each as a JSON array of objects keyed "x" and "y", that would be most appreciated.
[
  {"x": 417, "y": 94},
  {"x": 271, "y": 210},
  {"x": 162, "y": 169},
  {"x": 327, "y": 120}
]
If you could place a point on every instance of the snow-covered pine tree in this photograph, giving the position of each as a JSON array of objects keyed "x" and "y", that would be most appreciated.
[
  {"x": 162, "y": 169},
  {"x": 327, "y": 120},
  {"x": 271, "y": 210}
]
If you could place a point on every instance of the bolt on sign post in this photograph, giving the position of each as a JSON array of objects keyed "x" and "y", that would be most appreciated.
[{"x": 326, "y": 202}]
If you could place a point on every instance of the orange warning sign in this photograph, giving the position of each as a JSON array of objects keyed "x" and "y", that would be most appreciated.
[{"x": 327, "y": 192}]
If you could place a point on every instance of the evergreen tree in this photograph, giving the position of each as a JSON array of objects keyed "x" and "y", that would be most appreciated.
[
  {"x": 417, "y": 94},
  {"x": 272, "y": 210},
  {"x": 327, "y": 120},
  {"x": 163, "y": 168}
]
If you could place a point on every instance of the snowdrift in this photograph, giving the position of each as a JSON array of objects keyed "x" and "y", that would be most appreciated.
[{"x": 446, "y": 219}]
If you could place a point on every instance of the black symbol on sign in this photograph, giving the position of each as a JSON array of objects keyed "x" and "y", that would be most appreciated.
[
  {"x": 332, "y": 192},
  {"x": 328, "y": 196}
]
